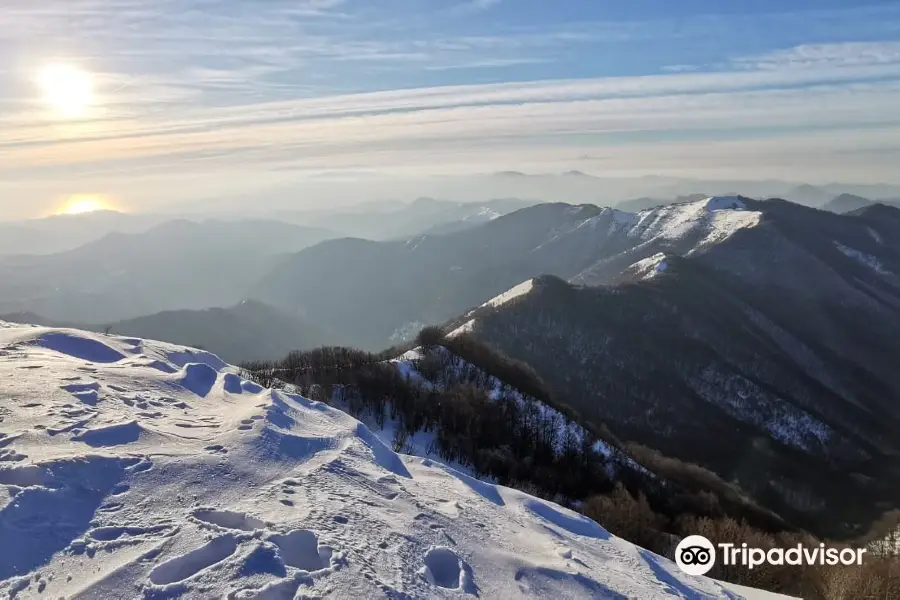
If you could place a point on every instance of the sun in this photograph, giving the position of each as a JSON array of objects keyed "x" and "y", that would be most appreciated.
[
  {"x": 66, "y": 89},
  {"x": 81, "y": 204}
]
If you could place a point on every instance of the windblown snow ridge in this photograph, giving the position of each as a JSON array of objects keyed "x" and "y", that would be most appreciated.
[{"x": 148, "y": 470}]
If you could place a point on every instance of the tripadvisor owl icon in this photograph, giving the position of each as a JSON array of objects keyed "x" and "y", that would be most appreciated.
[{"x": 695, "y": 555}]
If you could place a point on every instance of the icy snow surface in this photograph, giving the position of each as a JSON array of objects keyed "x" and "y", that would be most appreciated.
[{"x": 138, "y": 469}]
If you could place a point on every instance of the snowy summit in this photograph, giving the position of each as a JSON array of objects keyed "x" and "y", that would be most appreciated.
[
  {"x": 715, "y": 218},
  {"x": 138, "y": 469}
]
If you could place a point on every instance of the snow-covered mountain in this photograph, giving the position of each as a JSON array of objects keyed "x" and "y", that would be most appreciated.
[
  {"x": 769, "y": 324},
  {"x": 137, "y": 469},
  {"x": 432, "y": 278}
]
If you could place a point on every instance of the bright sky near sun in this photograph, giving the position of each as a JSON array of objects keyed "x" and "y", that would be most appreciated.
[{"x": 161, "y": 102}]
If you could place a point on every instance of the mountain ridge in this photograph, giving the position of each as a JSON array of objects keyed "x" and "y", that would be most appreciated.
[
  {"x": 431, "y": 278},
  {"x": 172, "y": 266},
  {"x": 812, "y": 371}
]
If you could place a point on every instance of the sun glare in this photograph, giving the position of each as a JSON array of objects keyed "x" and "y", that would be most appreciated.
[
  {"x": 78, "y": 205},
  {"x": 66, "y": 89}
]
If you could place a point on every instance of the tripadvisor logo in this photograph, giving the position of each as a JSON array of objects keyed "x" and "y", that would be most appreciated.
[{"x": 696, "y": 555}]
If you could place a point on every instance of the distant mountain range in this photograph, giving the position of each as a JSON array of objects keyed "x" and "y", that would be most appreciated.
[
  {"x": 175, "y": 265},
  {"x": 371, "y": 194},
  {"x": 581, "y": 187},
  {"x": 66, "y": 232},
  {"x": 403, "y": 220},
  {"x": 431, "y": 278},
  {"x": 427, "y": 279},
  {"x": 766, "y": 354},
  {"x": 762, "y": 322},
  {"x": 469, "y": 252},
  {"x": 846, "y": 203},
  {"x": 373, "y": 220}
]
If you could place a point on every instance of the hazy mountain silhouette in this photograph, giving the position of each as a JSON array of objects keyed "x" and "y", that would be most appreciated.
[{"x": 175, "y": 265}]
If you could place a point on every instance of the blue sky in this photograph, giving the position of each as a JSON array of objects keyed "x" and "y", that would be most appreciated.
[{"x": 194, "y": 98}]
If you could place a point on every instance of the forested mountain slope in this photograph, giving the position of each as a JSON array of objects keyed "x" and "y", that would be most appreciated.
[{"x": 769, "y": 357}]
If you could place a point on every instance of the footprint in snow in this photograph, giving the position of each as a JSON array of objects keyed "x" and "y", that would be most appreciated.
[
  {"x": 301, "y": 549},
  {"x": 444, "y": 568}
]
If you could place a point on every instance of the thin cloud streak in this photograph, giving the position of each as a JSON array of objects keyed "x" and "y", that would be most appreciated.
[
  {"x": 668, "y": 116},
  {"x": 693, "y": 96},
  {"x": 787, "y": 76}
]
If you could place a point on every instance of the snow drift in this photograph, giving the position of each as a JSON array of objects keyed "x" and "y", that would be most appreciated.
[{"x": 138, "y": 469}]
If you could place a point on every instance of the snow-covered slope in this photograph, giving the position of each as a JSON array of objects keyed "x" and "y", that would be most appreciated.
[
  {"x": 501, "y": 299},
  {"x": 717, "y": 217},
  {"x": 137, "y": 469},
  {"x": 649, "y": 267},
  {"x": 679, "y": 229},
  {"x": 409, "y": 362},
  {"x": 522, "y": 288},
  {"x": 713, "y": 219}
]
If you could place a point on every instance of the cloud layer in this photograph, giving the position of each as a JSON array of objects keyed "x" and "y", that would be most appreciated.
[{"x": 236, "y": 95}]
